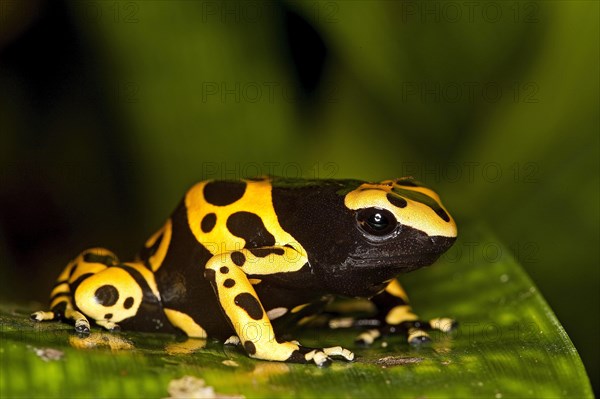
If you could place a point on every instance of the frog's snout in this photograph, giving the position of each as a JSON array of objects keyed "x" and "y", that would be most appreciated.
[{"x": 442, "y": 243}]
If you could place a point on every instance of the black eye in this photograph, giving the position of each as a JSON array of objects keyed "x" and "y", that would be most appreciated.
[{"x": 377, "y": 222}]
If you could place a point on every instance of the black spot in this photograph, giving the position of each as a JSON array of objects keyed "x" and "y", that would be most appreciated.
[
  {"x": 250, "y": 305},
  {"x": 250, "y": 347},
  {"x": 108, "y": 316},
  {"x": 251, "y": 228},
  {"x": 107, "y": 295},
  {"x": 209, "y": 274},
  {"x": 263, "y": 252},
  {"x": 424, "y": 199},
  {"x": 396, "y": 201},
  {"x": 224, "y": 269},
  {"x": 208, "y": 222},
  {"x": 442, "y": 213},
  {"x": 223, "y": 193},
  {"x": 238, "y": 258},
  {"x": 229, "y": 283},
  {"x": 407, "y": 183},
  {"x": 128, "y": 303}
]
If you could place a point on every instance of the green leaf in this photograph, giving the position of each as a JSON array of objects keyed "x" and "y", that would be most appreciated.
[{"x": 508, "y": 344}]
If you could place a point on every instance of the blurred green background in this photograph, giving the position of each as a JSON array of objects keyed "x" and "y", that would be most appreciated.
[{"x": 109, "y": 110}]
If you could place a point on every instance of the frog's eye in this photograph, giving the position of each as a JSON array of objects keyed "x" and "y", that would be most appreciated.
[{"x": 376, "y": 221}]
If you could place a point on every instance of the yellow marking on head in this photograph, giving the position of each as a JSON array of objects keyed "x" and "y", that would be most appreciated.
[
  {"x": 399, "y": 314},
  {"x": 254, "y": 281},
  {"x": 185, "y": 323},
  {"x": 256, "y": 199},
  {"x": 157, "y": 259},
  {"x": 415, "y": 214}
]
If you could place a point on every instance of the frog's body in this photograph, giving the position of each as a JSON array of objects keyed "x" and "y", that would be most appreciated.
[{"x": 236, "y": 257}]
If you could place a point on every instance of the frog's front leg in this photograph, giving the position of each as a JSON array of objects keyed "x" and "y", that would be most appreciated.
[
  {"x": 395, "y": 316},
  {"x": 228, "y": 274}
]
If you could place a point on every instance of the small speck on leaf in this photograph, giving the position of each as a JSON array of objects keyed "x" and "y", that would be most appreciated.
[
  {"x": 392, "y": 361},
  {"x": 195, "y": 388},
  {"x": 48, "y": 354},
  {"x": 230, "y": 363}
]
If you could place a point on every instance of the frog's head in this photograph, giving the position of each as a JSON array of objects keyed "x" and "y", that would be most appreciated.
[{"x": 393, "y": 227}]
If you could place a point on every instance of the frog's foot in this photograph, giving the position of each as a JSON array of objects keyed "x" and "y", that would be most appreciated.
[
  {"x": 109, "y": 325},
  {"x": 82, "y": 325},
  {"x": 42, "y": 315},
  {"x": 322, "y": 357},
  {"x": 415, "y": 331}
]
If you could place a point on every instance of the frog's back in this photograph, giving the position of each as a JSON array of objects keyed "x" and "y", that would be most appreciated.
[{"x": 219, "y": 217}]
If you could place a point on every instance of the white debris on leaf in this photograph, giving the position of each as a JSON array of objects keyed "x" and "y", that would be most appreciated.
[
  {"x": 194, "y": 388},
  {"x": 230, "y": 363},
  {"x": 48, "y": 354}
]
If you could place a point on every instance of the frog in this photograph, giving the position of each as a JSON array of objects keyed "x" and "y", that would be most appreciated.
[{"x": 242, "y": 261}]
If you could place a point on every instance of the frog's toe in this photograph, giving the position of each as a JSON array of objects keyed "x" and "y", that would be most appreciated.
[
  {"x": 443, "y": 324},
  {"x": 42, "y": 316},
  {"x": 82, "y": 326},
  {"x": 309, "y": 355},
  {"x": 109, "y": 325},
  {"x": 341, "y": 322},
  {"x": 322, "y": 357},
  {"x": 366, "y": 338},
  {"x": 339, "y": 353},
  {"x": 318, "y": 357}
]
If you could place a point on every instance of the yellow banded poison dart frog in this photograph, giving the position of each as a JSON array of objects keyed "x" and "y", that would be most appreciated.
[{"x": 236, "y": 258}]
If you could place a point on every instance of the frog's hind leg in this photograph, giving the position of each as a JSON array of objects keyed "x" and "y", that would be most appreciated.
[{"x": 62, "y": 305}]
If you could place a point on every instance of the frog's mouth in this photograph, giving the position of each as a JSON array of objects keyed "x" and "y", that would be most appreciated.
[
  {"x": 421, "y": 253},
  {"x": 399, "y": 264},
  {"x": 367, "y": 273}
]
